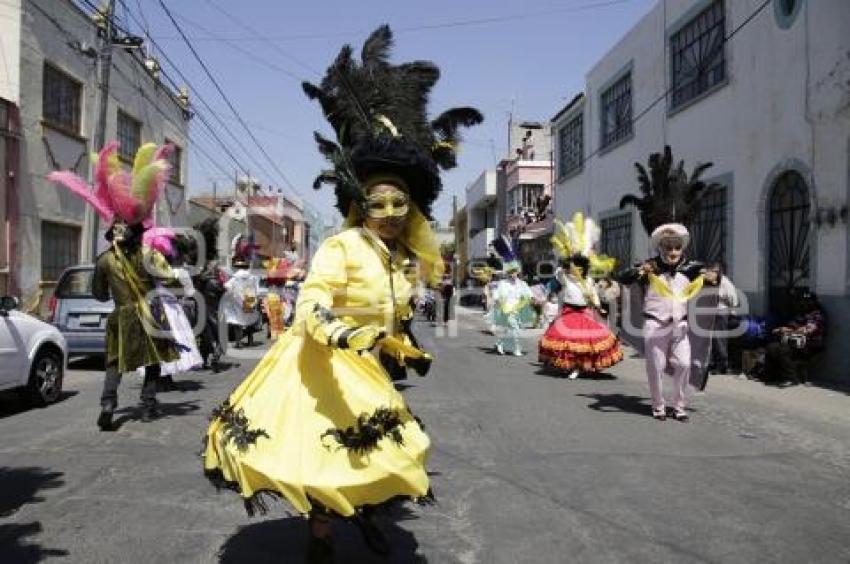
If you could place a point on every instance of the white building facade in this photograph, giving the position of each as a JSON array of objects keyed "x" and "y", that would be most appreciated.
[
  {"x": 482, "y": 214},
  {"x": 764, "y": 94},
  {"x": 49, "y": 79}
]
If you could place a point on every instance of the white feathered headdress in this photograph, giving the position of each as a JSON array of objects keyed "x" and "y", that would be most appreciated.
[{"x": 578, "y": 236}]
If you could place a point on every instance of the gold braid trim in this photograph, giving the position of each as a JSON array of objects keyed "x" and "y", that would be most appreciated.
[
  {"x": 598, "y": 347},
  {"x": 605, "y": 361}
]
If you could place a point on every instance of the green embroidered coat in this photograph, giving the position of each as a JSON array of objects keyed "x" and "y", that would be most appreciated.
[{"x": 129, "y": 277}]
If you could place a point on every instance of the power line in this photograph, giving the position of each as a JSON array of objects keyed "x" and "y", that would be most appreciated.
[
  {"x": 272, "y": 44},
  {"x": 217, "y": 116},
  {"x": 224, "y": 96},
  {"x": 423, "y": 27},
  {"x": 198, "y": 114}
]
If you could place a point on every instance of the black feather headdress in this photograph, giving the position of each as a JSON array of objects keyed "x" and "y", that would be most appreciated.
[{"x": 379, "y": 112}]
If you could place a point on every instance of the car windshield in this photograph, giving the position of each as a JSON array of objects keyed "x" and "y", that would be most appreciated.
[{"x": 75, "y": 284}]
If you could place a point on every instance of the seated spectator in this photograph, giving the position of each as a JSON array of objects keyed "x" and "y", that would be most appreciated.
[{"x": 798, "y": 339}]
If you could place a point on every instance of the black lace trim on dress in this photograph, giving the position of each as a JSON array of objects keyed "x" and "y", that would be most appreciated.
[
  {"x": 258, "y": 503},
  {"x": 236, "y": 428},
  {"x": 369, "y": 429}
]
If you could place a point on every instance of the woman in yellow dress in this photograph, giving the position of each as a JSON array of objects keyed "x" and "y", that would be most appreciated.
[{"x": 319, "y": 422}]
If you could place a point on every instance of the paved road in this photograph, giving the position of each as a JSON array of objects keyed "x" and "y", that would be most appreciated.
[{"x": 526, "y": 468}]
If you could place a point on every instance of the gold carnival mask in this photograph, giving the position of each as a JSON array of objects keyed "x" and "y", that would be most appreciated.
[{"x": 387, "y": 204}]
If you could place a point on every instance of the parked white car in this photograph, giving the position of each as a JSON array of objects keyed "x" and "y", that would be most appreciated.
[{"x": 33, "y": 354}]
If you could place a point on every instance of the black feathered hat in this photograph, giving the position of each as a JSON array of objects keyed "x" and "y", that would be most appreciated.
[{"x": 380, "y": 115}]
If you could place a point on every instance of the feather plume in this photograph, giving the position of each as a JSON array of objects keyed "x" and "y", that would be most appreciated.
[
  {"x": 379, "y": 112},
  {"x": 80, "y": 187},
  {"x": 160, "y": 239}
]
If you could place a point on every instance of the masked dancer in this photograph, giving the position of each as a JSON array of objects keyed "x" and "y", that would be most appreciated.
[
  {"x": 670, "y": 199},
  {"x": 512, "y": 308},
  {"x": 578, "y": 342},
  {"x": 127, "y": 271},
  {"x": 318, "y": 422}
]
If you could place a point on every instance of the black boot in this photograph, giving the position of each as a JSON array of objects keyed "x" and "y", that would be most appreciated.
[
  {"x": 150, "y": 411},
  {"x": 320, "y": 550},
  {"x": 104, "y": 421},
  {"x": 374, "y": 537}
]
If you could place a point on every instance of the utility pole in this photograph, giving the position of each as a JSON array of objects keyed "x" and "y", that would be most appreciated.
[
  {"x": 457, "y": 248},
  {"x": 104, "y": 68}
]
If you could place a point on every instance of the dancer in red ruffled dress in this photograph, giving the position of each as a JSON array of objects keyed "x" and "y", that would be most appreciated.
[{"x": 578, "y": 341}]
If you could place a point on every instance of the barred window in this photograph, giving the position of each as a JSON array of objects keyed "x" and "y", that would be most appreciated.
[
  {"x": 60, "y": 248},
  {"x": 571, "y": 144},
  {"x": 129, "y": 135},
  {"x": 60, "y": 99},
  {"x": 617, "y": 111},
  {"x": 524, "y": 198},
  {"x": 176, "y": 160},
  {"x": 697, "y": 55},
  {"x": 616, "y": 238},
  {"x": 708, "y": 230}
]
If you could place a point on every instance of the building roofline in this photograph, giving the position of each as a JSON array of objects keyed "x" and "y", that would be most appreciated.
[{"x": 577, "y": 99}]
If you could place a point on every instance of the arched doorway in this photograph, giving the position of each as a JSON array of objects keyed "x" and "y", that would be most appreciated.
[{"x": 788, "y": 239}]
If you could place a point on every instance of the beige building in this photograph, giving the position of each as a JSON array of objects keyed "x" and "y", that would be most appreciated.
[{"x": 49, "y": 99}]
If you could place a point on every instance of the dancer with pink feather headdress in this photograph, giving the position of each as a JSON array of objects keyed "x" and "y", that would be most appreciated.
[{"x": 128, "y": 270}]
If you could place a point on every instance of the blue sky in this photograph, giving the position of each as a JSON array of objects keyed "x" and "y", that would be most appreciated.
[{"x": 495, "y": 55}]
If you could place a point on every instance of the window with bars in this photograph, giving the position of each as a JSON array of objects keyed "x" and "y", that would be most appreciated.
[
  {"x": 524, "y": 198},
  {"x": 4, "y": 115},
  {"x": 708, "y": 230},
  {"x": 60, "y": 100},
  {"x": 129, "y": 135},
  {"x": 176, "y": 160},
  {"x": 617, "y": 111},
  {"x": 60, "y": 248},
  {"x": 571, "y": 145},
  {"x": 616, "y": 238},
  {"x": 697, "y": 55}
]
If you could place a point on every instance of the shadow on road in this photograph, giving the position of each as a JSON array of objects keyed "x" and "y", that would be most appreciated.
[
  {"x": 166, "y": 410},
  {"x": 549, "y": 372},
  {"x": 611, "y": 403},
  {"x": 183, "y": 386},
  {"x": 19, "y": 486},
  {"x": 12, "y": 403},
  {"x": 286, "y": 540}
]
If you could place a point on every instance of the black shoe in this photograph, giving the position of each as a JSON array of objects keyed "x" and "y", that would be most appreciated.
[
  {"x": 681, "y": 416},
  {"x": 166, "y": 384},
  {"x": 150, "y": 412},
  {"x": 374, "y": 537},
  {"x": 104, "y": 421},
  {"x": 320, "y": 550},
  {"x": 659, "y": 415}
]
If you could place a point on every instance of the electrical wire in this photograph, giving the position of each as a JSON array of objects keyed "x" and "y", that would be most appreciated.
[
  {"x": 424, "y": 27},
  {"x": 224, "y": 96}
]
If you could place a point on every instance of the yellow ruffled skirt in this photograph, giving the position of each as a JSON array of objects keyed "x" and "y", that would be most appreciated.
[{"x": 323, "y": 428}]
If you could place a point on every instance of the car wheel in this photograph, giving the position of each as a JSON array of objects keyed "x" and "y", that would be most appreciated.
[{"x": 45, "y": 382}]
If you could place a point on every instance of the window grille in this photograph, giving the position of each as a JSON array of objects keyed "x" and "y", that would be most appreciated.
[
  {"x": 176, "y": 159},
  {"x": 616, "y": 239},
  {"x": 617, "y": 111},
  {"x": 697, "y": 55},
  {"x": 61, "y": 99},
  {"x": 789, "y": 240},
  {"x": 571, "y": 144},
  {"x": 129, "y": 135},
  {"x": 708, "y": 230},
  {"x": 60, "y": 248}
]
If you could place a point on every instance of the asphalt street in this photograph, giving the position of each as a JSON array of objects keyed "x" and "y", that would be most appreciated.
[{"x": 526, "y": 467}]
